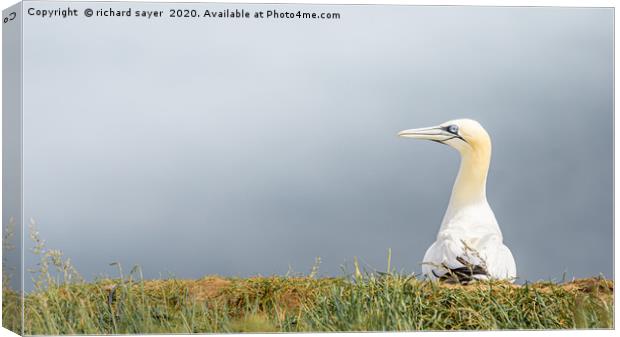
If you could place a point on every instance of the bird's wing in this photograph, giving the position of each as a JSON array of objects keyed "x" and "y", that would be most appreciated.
[
  {"x": 449, "y": 258},
  {"x": 455, "y": 259},
  {"x": 500, "y": 262}
]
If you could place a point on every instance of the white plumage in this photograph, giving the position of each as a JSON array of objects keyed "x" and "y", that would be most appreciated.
[{"x": 469, "y": 244}]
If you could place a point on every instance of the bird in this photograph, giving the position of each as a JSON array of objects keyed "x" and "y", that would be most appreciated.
[{"x": 469, "y": 245}]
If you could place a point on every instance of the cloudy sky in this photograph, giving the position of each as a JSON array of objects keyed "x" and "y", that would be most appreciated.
[{"x": 244, "y": 147}]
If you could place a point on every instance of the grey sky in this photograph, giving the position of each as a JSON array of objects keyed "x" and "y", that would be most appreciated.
[{"x": 243, "y": 147}]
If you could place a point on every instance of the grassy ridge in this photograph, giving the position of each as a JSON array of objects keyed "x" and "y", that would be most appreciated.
[
  {"x": 63, "y": 303},
  {"x": 262, "y": 304}
]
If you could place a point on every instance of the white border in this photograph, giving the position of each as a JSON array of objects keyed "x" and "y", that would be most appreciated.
[{"x": 502, "y": 3}]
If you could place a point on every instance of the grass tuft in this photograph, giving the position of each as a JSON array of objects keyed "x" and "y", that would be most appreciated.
[
  {"x": 64, "y": 303},
  {"x": 269, "y": 304}
]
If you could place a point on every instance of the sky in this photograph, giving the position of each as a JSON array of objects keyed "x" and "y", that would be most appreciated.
[{"x": 253, "y": 147}]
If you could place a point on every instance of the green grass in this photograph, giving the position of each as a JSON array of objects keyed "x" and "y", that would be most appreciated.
[
  {"x": 63, "y": 303},
  {"x": 263, "y": 304}
]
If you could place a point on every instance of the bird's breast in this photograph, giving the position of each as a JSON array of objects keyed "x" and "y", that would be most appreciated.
[{"x": 470, "y": 223}]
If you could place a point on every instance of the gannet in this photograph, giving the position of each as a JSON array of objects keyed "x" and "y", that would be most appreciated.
[{"x": 469, "y": 244}]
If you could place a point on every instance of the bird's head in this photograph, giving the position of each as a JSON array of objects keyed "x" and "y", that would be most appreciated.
[{"x": 465, "y": 135}]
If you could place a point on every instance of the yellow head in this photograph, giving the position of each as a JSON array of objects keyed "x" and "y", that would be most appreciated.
[
  {"x": 474, "y": 145},
  {"x": 465, "y": 135}
]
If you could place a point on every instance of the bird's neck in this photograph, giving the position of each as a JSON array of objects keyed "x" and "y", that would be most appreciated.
[{"x": 471, "y": 181}]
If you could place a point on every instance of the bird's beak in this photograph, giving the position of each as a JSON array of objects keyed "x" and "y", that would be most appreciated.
[{"x": 434, "y": 133}]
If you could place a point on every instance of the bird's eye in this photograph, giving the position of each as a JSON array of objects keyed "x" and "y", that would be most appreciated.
[{"x": 453, "y": 129}]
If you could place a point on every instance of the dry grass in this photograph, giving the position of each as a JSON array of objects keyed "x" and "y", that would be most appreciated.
[
  {"x": 266, "y": 304},
  {"x": 63, "y": 303}
]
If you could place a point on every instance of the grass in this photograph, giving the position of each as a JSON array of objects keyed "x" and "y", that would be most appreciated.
[
  {"x": 63, "y": 303},
  {"x": 263, "y": 304}
]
